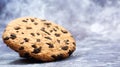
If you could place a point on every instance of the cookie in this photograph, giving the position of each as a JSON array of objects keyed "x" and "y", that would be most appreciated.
[{"x": 39, "y": 39}]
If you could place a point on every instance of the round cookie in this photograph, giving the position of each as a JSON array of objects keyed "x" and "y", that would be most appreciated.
[{"x": 39, "y": 39}]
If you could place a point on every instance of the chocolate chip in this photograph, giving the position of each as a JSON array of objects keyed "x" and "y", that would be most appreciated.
[
  {"x": 17, "y": 28},
  {"x": 43, "y": 29},
  {"x": 35, "y": 23},
  {"x": 54, "y": 29},
  {"x": 28, "y": 27},
  {"x": 64, "y": 48},
  {"x": 24, "y": 20},
  {"x": 64, "y": 31},
  {"x": 50, "y": 45},
  {"x": 57, "y": 35},
  {"x": 26, "y": 55},
  {"x": 66, "y": 41},
  {"x": 21, "y": 42},
  {"x": 70, "y": 52},
  {"x": 32, "y": 20},
  {"x": 74, "y": 43},
  {"x": 21, "y": 48},
  {"x": 6, "y": 38},
  {"x": 32, "y": 34},
  {"x": 12, "y": 36},
  {"x": 37, "y": 50},
  {"x": 58, "y": 57},
  {"x": 26, "y": 39},
  {"x": 58, "y": 41},
  {"x": 22, "y": 33},
  {"x": 17, "y": 31},
  {"x": 34, "y": 46},
  {"x": 38, "y": 33},
  {"x": 38, "y": 40},
  {"x": 51, "y": 30},
  {"x": 48, "y": 38},
  {"x": 47, "y": 23},
  {"x": 57, "y": 27}
]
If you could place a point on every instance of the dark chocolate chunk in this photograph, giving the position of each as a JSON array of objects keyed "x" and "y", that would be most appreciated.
[
  {"x": 35, "y": 23},
  {"x": 21, "y": 48},
  {"x": 43, "y": 29},
  {"x": 17, "y": 31},
  {"x": 26, "y": 39},
  {"x": 37, "y": 50},
  {"x": 17, "y": 28},
  {"x": 64, "y": 48},
  {"x": 58, "y": 57},
  {"x": 57, "y": 35},
  {"x": 54, "y": 29},
  {"x": 12, "y": 36},
  {"x": 21, "y": 42},
  {"x": 74, "y": 43},
  {"x": 66, "y": 41},
  {"x": 28, "y": 27},
  {"x": 51, "y": 30},
  {"x": 70, "y": 52},
  {"x": 32, "y": 20},
  {"x": 26, "y": 55},
  {"x": 64, "y": 31},
  {"x": 47, "y": 23},
  {"x": 50, "y": 45},
  {"x": 34, "y": 46},
  {"x": 24, "y": 20},
  {"x": 32, "y": 34},
  {"x": 38, "y": 40},
  {"x": 38, "y": 33},
  {"x": 22, "y": 33},
  {"x": 48, "y": 38},
  {"x": 58, "y": 41},
  {"x": 6, "y": 38},
  {"x": 57, "y": 27}
]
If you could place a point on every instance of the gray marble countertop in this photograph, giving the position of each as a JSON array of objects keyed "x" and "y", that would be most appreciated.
[{"x": 95, "y": 24}]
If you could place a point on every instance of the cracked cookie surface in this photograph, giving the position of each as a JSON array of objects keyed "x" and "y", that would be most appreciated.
[{"x": 39, "y": 39}]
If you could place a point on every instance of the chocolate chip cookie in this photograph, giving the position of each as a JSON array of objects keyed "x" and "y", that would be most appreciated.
[{"x": 39, "y": 39}]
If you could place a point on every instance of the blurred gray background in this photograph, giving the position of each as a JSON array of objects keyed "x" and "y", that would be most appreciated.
[{"x": 95, "y": 24}]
